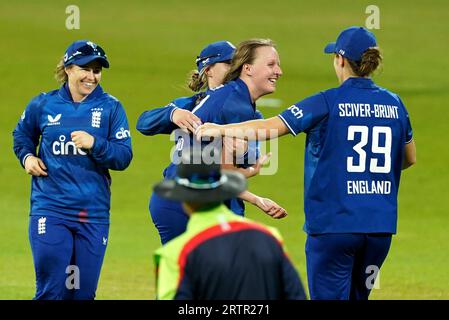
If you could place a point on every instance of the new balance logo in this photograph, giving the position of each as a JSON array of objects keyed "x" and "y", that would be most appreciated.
[
  {"x": 105, "y": 241},
  {"x": 41, "y": 225},
  {"x": 54, "y": 121}
]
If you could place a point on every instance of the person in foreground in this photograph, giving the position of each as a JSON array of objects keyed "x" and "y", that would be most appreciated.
[
  {"x": 359, "y": 138},
  {"x": 221, "y": 256}
]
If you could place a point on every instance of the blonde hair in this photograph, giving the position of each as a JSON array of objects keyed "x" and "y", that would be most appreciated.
[
  {"x": 245, "y": 54},
  {"x": 371, "y": 59},
  {"x": 197, "y": 81},
  {"x": 60, "y": 74}
]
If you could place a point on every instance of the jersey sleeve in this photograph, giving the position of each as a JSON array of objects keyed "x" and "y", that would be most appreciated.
[
  {"x": 115, "y": 152},
  {"x": 409, "y": 131},
  {"x": 27, "y": 131},
  {"x": 406, "y": 122},
  {"x": 159, "y": 120},
  {"x": 304, "y": 114}
]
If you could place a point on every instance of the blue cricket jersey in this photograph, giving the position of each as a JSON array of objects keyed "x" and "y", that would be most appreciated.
[
  {"x": 356, "y": 135},
  {"x": 77, "y": 187},
  {"x": 228, "y": 103},
  {"x": 159, "y": 120}
]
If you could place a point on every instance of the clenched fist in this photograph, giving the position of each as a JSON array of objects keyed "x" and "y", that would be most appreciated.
[{"x": 82, "y": 139}]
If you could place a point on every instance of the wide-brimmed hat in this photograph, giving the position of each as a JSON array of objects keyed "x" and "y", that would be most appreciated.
[
  {"x": 82, "y": 52},
  {"x": 197, "y": 181}
]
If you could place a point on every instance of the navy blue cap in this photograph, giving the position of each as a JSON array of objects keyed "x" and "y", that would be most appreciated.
[
  {"x": 352, "y": 43},
  {"x": 215, "y": 52},
  {"x": 82, "y": 52}
]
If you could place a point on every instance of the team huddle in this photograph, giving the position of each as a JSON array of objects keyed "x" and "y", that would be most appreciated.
[{"x": 359, "y": 138}]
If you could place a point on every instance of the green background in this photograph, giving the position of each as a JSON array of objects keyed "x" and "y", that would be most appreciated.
[{"x": 152, "y": 46}]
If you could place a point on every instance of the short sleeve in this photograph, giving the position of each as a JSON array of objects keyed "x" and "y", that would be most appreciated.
[
  {"x": 409, "y": 131},
  {"x": 305, "y": 114},
  {"x": 407, "y": 125}
]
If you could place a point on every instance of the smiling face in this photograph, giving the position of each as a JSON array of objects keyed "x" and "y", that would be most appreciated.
[
  {"x": 83, "y": 79},
  {"x": 263, "y": 73}
]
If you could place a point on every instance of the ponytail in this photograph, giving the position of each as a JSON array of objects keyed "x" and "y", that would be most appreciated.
[
  {"x": 371, "y": 59},
  {"x": 197, "y": 81}
]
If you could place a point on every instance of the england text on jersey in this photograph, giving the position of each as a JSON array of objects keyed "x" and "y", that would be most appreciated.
[{"x": 369, "y": 187}]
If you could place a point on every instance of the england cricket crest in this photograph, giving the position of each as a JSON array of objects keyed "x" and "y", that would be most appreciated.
[{"x": 96, "y": 117}]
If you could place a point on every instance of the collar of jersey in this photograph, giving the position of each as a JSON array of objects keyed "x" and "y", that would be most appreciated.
[
  {"x": 240, "y": 83},
  {"x": 64, "y": 93},
  {"x": 359, "y": 83}
]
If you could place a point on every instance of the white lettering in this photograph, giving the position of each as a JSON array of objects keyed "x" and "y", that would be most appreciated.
[
  {"x": 368, "y": 187},
  {"x": 73, "y": 20},
  {"x": 296, "y": 111},
  {"x": 373, "y": 280},
  {"x": 73, "y": 280},
  {"x": 373, "y": 20},
  {"x": 364, "y": 110},
  {"x": 66, "y": 148},
  {"x": 122, "y": 134}
]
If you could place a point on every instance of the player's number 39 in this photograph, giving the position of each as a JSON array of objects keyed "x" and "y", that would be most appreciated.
[{"x": 375, "y": 148}]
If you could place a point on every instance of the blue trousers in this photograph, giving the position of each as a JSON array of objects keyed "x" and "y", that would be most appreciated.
[
  {"x": 68, "y": 256},
  {"x": 168, "y": 217},
  {"x": 342, "y": 266}
]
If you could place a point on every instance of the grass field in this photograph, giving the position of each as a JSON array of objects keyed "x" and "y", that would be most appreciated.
[{"x": 152, "y": 46}]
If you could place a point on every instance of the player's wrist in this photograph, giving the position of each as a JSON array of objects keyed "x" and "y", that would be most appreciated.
[
  {"x": 172, "y": 113},
  {"x": 26, "y": 157}
]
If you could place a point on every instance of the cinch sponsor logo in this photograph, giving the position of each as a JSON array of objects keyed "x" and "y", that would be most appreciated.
[
  {"x": 54, "y": 121},
  {"x": 63, "y": 148},
  {"x": 296, "y": 111},
  {"x": 122, "y": 133}
]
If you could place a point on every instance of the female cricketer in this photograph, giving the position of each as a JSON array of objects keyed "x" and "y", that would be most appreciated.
[
  {"x": 213, "y": 62},
  {"x": 359, "y": 138},
  {"x": 82, "y": 132}
]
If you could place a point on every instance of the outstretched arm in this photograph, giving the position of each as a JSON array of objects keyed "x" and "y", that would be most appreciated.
[
  {"x": 250, "y": 130},
  {"x": 268, "y": 206},
  {"x": 166, "y": 119}
]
